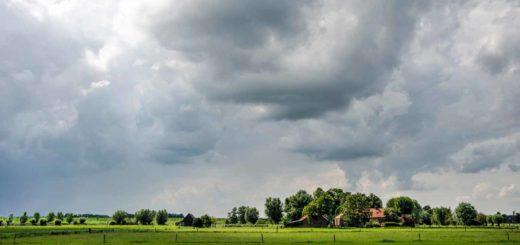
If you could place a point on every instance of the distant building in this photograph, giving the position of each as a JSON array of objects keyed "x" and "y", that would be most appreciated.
[
  {"x": 376, "y": 214},
  {"x": 305, "y": 221}
]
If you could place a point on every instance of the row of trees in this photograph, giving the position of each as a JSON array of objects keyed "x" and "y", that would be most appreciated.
[
  {"x": 355, "y": 209},
  {"x": 37, "y": 219},
  {"x": 243, "y": 215}
]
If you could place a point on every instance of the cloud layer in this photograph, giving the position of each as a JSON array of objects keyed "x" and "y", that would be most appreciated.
[{"x": 175, "y": 101}]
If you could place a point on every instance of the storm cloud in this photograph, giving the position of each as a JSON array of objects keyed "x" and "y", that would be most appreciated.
[{"x": 165, "y": 102}]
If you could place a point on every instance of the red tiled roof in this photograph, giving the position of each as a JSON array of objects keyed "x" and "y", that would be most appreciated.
[{"x": 377, "y": 213}]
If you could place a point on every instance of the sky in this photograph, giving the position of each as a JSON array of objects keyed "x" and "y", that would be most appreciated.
[{"x": 200, "y": 106}]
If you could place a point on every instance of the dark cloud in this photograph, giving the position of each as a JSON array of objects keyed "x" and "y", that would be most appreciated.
[{"x": 300, "y": 60}]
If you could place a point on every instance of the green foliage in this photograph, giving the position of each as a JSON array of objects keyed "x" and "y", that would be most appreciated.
[
  {"x": 51, "y": 216},
  {"x": 241, "y": 213},
  {"x": 82, "y": 220},
  {"x": 466, "y": 213},
  {"x": 322, "y": 205},
  {"x": 391, "y": 224},
  {"x": 1, "y": 222},
  {"x": 356, "y": 210},
  {"x": 295, "y": 204},
  {"x": 442, "y": 216},
  {"x": 197, "y": 222},
  {"x": 252, "y": 215},
  {"x": 207, "y": 221},
  {"x": 60, "y": 215},
  {"x": 273, "y": 209},
  {"x": 404, "y": 205},
  {"x": 36, "y": 216},
  {"x": 374, "y": 201},
  {"x": 498, "y": 219},
  {"x": 481, "y": 219},
  {"x": 10, "y": 219},
  {"x": 33, "y": 221},
  {"x": 162, "y": 217},
  {"x": 119, "y": 217},
  {"x": 69, "y": 218},
  {"x": 187, "y": 220},
  {"x": 145, "y": 216},
  {"x": 489, "y": 220},
  {"x": 57, "y": 222},
  {"x": 43, "y": 222},
  {"x": 391, "y": 215},
  {"x": 425, "y": 217},
  {"x": 232, "y": 216},
  {"x": 24, "y": 218}
]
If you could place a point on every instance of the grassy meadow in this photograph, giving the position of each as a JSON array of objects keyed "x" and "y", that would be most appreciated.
[{"x": 98, "y": 232}]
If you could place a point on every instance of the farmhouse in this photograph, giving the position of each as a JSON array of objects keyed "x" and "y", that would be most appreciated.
[
  {"x": 376, "y": 214},
  {"x": 305, "y": 221}
]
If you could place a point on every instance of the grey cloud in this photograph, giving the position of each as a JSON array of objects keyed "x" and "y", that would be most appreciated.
[{"x": 311, "y": 58}]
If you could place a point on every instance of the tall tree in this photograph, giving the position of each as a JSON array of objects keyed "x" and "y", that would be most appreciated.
[
  {"x": 322, "y": 205},
  {"x": 51, "y": 216},
  {"x": 251, "y": 215},
  {"x": 36, "y": 217},
  {"x": 374, "y": 201},
  {"x": 466, "y": 213},
  {"x": 441, "y": 216},
  {"x": 145, "y": 216},
  {"x": 294, "y": 204},
  {"x": 273, "y": 209},
  {"x": 120, "y": 217},
  {"x": 356, "y": 209},
  {"x": 241, "y": 213},
  {"x": 232, "y": 216},
  {"x": 161, "y": 217},
  {"x": 24, "y": 218}
]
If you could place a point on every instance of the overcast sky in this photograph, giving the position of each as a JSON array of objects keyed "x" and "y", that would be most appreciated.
[{"x": 199, "y": 106}]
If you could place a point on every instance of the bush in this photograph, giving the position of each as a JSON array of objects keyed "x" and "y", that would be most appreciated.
[
  {"x": 112, "y": 223},
  {"x": 372, "y": 224},
  {"x": 392, "y": 224},
  {"x": 162, "y": 217},
  {"x": 82, "y": 221},
  {"x": 69, "y": 218},
  {"x": 43, "y": 222},
  {"x": 206, "y": 220},
  {"x": 57, "y": 222},
  {"x": 1, "y": 222},
  {"x": 24, "y": 218},
  {"x": 119, "y": 217},
  {"x": 75, "y": 222},
  {"x": 33, "y": 221}
]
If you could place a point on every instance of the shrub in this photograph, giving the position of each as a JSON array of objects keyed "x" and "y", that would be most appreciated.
[
  {"x": 43, "y": 222},
  {"x": 112, "y": 223},
  {"x": 119, "y": 217},
  {"x": 392, "y": 224},
  {"x": 51, "y": 216},
  {"x": 82, "y": 221},
  {"x": 59, "y": 215},
  {"x": 373, "y": 223},
  {"x": 36, "y": 216},
  {"x": 1, "y": 222},
  {"x": 57, "y": 222},
  {"x": 33, "y": 221},
  {"x": 197, "y": 222},
  {"x": 69, "y": 218},
  {"x": 75, "y": 222},
  {"x": 162, "y": 217}
]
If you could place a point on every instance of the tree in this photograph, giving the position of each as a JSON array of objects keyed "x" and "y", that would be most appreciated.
[
  {"x": 356, "y": 209},
  {"x": 489, "y": 220},
  {"x": 232, "y": 216},
  {"x": 404, "y": 205},
  {"x": 24, "y": 218},
  {"x": 375, "y": 201},
  {"x": 187, "y": 220},
  {"x": 481, "y": 219},
  {"x": 466, "y": 213},
  {"x": 59, "y": 216},
  {"x": 251, "y": 215},
  {"x": 498, "y": 219},
  {"x": 295, "y": 204},
  {"x": 145, "y": 216},
  {"x": 120, "y": 217},
  {"x": 51, "y": 216},
  {"x": 36, "y": 216},
  {"x": 441, "y": 216},
  {"x": 242, "y": 214},
  {"x": 425, "y": 217},
  {"x": 273, "y": 209},
  {"x": 322, "y": 205},
  {"x": 43, "y": 222},
  {"x": 162, "y": 217},
  {"x": 391, "y": 215},
  {"x": 206, "y": 220},
  {"x": 69, "y": 218},
  {"x": 10, "y": 219}
]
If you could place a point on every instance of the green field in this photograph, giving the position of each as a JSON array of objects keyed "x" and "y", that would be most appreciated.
[{"x": 79, "y": 234}]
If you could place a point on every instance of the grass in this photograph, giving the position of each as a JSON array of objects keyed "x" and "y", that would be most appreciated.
[{"x": 169, "y": 234}]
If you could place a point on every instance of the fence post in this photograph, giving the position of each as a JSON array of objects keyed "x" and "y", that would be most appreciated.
[
  {"x": 176, "y": 237},
  {"x": 14, "y": 239},
  {"x": 104, "y": 238},
  {"x": 262, "y": 237},
  {"x": 419, "y": 236},
  {"x": 507, "y": 235},
  {"x": 334, "y": 237}
]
